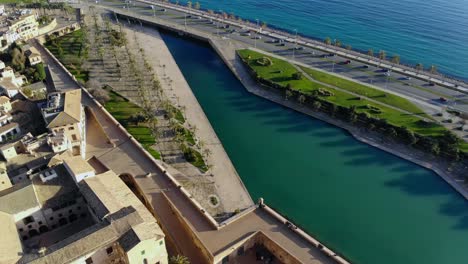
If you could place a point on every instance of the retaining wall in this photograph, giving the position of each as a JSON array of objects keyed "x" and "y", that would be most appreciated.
[{"x": 187, "y": 195}]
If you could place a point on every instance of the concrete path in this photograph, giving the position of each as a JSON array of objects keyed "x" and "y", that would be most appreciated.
[{"x": 232, "y": 191}]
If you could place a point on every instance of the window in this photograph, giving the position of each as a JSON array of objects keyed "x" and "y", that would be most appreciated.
[
  {"x": 109, "y": 250},
  {"x": 51, "y": 218},
  {"x": 161, "y": 242},
  {"x": 28, "y": 220},
  {"x": 89, "y": 261},
  {"x": 74, "y": 137},
  {"x": 21, "y": 229},
  {"x": 40, "y": 222},
  {"x": 71, "y": 128},
  {"x": 142, "y": 252}
]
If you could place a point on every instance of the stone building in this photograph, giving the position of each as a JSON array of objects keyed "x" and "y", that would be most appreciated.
[{"x": 65, "y": 119}]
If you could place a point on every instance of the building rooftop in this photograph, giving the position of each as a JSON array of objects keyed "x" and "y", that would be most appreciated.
[
  {"x": 76, "y": 164},
  {"x": 4, "y": 99},
  {"x": 10, "y": 249},
  {"x": 56, "y": 191},
  {"x": 8, "y": 127},
  {"x": 63, "y": 108},
  {"x": 18, "y": 198},
  {"x": 123, "y": 219}
]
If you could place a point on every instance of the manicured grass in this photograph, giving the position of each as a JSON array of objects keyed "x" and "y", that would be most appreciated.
[
  {"x": 194, "y": 157},
  {"x": 177, "y": 114},
  {"x": 71, "y": 53},
  {"x": 364, "y": 90},
  {"x": 121, "y": 109},
  {"x": 281, "y": 72}
]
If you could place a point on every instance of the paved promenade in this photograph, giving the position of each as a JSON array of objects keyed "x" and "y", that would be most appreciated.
[
  {"x": 123, "y": 155},
  {"x": 231, "y": 190}
]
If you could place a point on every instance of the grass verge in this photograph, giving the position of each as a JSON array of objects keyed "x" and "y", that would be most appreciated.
[
  {"x": 71, "y": 51},
  {"x": 121, "y": 109},
  {"x": 281, "y": 72}
]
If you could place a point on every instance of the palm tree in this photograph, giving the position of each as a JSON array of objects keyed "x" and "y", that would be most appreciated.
[
  {"x": 211, "y": 12},
  {"x": 370, "y": 52},
  {"x": 316, "y": 105},
  {"x": 337, "y": 43},
  {"x": 419, "y": 67},
  {"x": 302, "y": 99},
  {"x": 264, "y": 24},
  {"x": 327, "y": 40},
  {"x": 396, "y": 59},
  {"x": 197, "y": 5},
  {"x": 179, "y": 259},
  {"x": 189, "y": 4},
  {"x": 433, "y": 69},
  {"x": 382, "y": 54},
  {"x": 288, "y": 94}
]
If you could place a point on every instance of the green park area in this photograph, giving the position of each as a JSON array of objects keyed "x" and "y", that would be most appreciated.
[
  {"x": 287, "y": 76},
  {"x": 72, "y": 52},
  {"x": 125, "y": 112}
]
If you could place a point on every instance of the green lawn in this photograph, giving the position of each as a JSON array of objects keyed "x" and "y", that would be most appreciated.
[
  {"x": 69, "y": 49},
  {"x": 121, "y": 109},
  {"x": 364, "y": 90},
  {"x": 281, "y": 72}
]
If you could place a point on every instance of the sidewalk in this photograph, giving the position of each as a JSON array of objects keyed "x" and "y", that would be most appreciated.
[{"x": 231, "y": 190}]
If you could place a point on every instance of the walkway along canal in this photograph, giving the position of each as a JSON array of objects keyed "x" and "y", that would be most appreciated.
[{"x": 368, "y": 205}]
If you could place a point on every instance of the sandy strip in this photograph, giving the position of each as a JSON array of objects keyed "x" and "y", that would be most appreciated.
[{"x": 231, "y": 190}]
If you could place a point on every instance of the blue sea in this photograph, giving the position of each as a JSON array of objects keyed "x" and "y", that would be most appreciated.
[{"x": 420, "y": 31}]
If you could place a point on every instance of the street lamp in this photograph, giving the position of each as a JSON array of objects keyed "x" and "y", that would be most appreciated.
[
  {"x": 388, "y": 77},
  {"x": 256, "y": 34},
  {"x": 217, "y": 23},
  {"x": 295, "y": 44}
]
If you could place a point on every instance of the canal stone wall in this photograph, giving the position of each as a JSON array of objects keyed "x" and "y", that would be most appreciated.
[{"x": 218, "y": 47}]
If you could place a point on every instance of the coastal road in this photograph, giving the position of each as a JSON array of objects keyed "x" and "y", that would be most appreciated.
[{"x": 415, "y": 88}]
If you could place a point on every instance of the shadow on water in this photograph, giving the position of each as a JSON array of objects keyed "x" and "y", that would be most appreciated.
[{"x": 307, "y": 145}]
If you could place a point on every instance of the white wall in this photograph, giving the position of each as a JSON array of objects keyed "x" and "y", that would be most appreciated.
[{"x": 154, "y": 251}]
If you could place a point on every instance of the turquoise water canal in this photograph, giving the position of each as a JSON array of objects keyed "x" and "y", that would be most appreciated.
[{"x": 370, "y": 206}]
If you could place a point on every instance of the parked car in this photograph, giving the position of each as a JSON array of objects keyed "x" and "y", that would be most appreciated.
[
  {"x": 431, "y": 84},
  {"x": 443, "y": 99},
  {"x": 347, "y": 62},
  {"x": 365, "y": 66},
  {"x": 385, "y": 70},
  {"x": 406, "y": 78},
  {"x": 245, "y": 34},
  {"x": 257, "y": 37}
]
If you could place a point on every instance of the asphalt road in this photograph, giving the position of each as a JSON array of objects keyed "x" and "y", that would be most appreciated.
[{"x": 421, "y": 92}]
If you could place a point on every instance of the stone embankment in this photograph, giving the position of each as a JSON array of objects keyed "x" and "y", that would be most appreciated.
[{"x": 226, "y": 49}]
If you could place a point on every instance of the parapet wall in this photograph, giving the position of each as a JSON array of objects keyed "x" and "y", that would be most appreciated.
[
  {"x": 189, "y": 197},
  {"x": 49, "y": 27}
]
